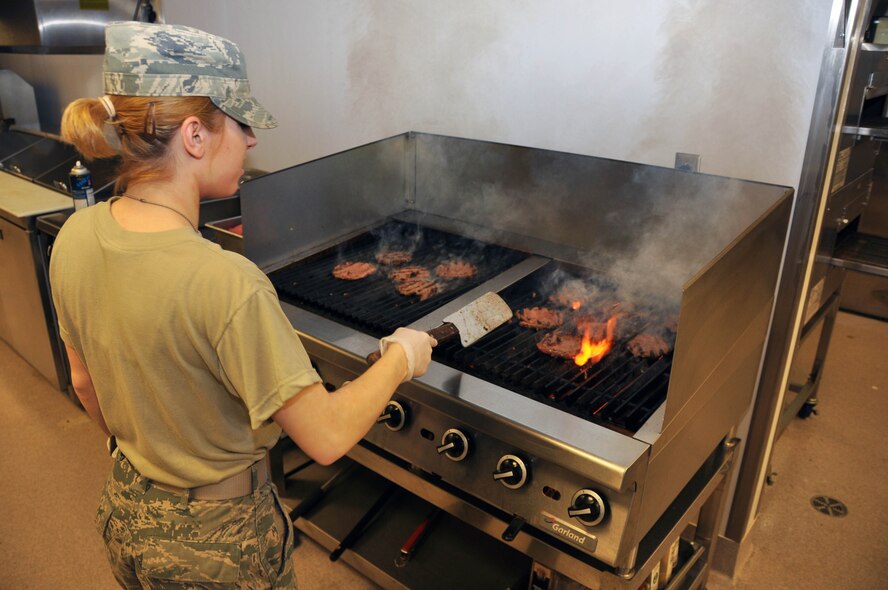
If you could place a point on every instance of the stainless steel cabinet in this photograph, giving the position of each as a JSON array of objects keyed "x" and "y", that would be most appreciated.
[{"x": 23, "y": 322}]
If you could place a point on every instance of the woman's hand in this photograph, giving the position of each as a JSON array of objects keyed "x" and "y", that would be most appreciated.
[
  {"x": 326, "y": 425},
  {"x": 417, "y": 347}
]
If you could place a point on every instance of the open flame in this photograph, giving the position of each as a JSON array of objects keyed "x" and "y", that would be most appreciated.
[
  {"x": 575, "y": 305},
  {"x": 594, "y": 350}
]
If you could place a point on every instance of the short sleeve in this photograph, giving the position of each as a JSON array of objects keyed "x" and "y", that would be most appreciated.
[{"x": 262, "y": 360}]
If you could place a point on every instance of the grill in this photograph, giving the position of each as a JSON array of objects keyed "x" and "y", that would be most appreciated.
[
  {"x": 620, "y": 390},
  {"x": 690, "y": 258}
]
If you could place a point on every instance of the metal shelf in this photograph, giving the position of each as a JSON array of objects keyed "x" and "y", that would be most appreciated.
[
  {"x": 876, "y": 129},
  {"x": 862, "y": 252},
  {"x": 486, "y": 563}
]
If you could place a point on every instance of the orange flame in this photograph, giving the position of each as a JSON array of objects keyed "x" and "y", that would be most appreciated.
[
  {"x": 575, "y": 305},
  {"x": 594, "y": 350}
]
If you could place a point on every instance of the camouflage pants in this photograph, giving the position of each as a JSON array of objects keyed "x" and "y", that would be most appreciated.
[{"x": 158, "y": 539}]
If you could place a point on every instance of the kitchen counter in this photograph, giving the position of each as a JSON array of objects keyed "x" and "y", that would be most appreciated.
[
  {"x": 26, "y": 314},
  {"x": 23, "y": 199}
]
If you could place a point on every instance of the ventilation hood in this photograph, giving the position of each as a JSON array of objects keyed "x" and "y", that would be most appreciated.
[{"x": 63, "y": 26}]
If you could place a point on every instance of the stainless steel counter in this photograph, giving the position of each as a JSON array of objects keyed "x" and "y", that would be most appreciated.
[{"x": 25, "y": 307}]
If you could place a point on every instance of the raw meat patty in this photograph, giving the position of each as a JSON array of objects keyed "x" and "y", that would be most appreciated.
[
  {"x": 539, "y": 318},
  {"x": 423, "y": 288},
  {"x": 647, "y": 345},
  {"x": 394, "y": 257},
  {"x": 560, "y": 344},
  {"x": 409, "y": 272},
  {"x": 456, "y": 269},
  {"x": 353, "y": 271}
]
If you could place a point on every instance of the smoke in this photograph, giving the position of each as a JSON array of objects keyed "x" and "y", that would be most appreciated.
[
  {"x": 393, "y": 237},
  {"x": 639, "y": 233}
]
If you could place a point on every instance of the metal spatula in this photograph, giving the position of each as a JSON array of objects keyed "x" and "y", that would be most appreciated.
[{"x": 470, "y": 323}]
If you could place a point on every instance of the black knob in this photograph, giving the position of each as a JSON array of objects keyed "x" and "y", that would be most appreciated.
[
  {"x": 588, "y": 507},
  {"x": 454, "y": 445},
  {"x": 394, "y": 417},
  {"x": 511, "y": 472}
]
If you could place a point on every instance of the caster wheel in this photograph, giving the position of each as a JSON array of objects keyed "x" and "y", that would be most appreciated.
[{"x": 806, "y": 411}]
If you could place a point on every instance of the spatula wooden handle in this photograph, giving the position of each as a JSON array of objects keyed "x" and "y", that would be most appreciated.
[{"x": 441, "y": 333}]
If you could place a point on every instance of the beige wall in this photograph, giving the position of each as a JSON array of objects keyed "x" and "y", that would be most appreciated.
[{"x": 732, "y": 80}]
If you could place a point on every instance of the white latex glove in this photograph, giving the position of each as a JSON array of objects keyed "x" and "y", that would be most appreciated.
[{"x": 417, "y": 346}]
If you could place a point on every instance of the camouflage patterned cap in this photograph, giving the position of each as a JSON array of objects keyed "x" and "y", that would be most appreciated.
[{"x": 144, "y": 59}]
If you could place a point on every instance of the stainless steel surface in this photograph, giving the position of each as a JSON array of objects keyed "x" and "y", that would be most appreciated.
[
  {"x": 706, "y": 494},
  {"x": 866, "y": 293},
  {"x": 17, "y": 102},
  {"x": 325, "y": 200},
  {"x": 598, "y": 211},
  {"x": 58, "y": 24},
  {"x": 27, "y": 321},
  {"x": 220, "y": 232},
  {"x": 23, "y": 324},
  {"x": 708, "y": 247}
]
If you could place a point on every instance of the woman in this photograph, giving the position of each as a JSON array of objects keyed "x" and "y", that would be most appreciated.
[{"x": 180, "y": 350}]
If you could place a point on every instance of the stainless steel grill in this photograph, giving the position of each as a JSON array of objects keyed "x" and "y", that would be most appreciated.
[{"x": 633, "y": 438}]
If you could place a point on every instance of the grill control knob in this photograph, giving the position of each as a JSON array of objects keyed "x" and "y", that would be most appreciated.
[
  {"x": 588, "y": 507},
  {"x": 511, "y": 472},
  {"x": 454, "y": 445},
  {"x": 394, "y": 417}
]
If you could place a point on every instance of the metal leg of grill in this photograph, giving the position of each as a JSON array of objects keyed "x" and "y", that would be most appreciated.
[{"x": 713, "y": 510}]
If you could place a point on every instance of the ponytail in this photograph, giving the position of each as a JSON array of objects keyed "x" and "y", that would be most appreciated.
[
  {"x": 144, "y": 125},
  {"x": 83, "y": 125}
]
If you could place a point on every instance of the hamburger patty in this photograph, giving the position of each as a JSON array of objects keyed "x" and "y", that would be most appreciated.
[
  {"x": 560, "y": 344},
  {"x": 409, "y": 272},
  {"x": 353, "y": 271},
  {"x": 456, "y": 269},
  {"x": 423, "y": 288},
  {"x": 647, "y": 345},
  {"x": 394, "y": 257},
  {"x": 539, "y": 318}
]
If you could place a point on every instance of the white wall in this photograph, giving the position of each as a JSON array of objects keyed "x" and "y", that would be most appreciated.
[{"x": 732, "y": 80}]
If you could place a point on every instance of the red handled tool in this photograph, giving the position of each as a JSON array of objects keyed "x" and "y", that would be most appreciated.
[{"x": 415, "y": 538}]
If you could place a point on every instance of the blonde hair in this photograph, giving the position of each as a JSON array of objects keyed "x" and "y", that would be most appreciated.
[{"x": 144, "y": 125}]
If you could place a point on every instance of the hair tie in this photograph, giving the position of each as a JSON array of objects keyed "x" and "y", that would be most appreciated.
[{"x": 109, "y": 106}]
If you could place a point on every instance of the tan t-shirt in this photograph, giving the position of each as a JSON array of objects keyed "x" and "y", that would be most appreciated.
[{"x": 187, "y": 345}]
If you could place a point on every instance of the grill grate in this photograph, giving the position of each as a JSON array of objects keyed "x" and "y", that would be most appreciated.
[
  {"x": 620, "y": 390},
  {"x": 373, "y": 305}
]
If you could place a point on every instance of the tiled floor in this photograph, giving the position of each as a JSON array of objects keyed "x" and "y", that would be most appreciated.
[{"x": 53, "y": 466}]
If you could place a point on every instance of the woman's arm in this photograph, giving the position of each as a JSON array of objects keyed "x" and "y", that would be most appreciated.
[
  {"x": 327, "y": 425},
  {"x": 83, "y": 387}
]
